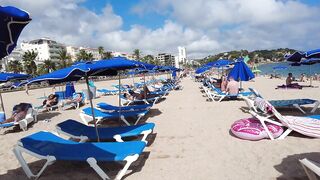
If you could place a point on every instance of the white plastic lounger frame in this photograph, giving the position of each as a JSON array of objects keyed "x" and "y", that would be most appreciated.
[
  {"x": 19, "y": 149},
  {"x": 127, "y": 102},
  {"x": 311, "y": 168},
  {"x": 31, "y": 116},
  {"x": 117, "y": 137},
  {"x": 87, "y": 118},
  {"x": 315, "y": 107}
]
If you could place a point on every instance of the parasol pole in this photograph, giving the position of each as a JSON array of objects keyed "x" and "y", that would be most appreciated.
[
  {"x": 310, "y": 75},
  {"x": 2, "y": 105},
  {"x": 91, "y": 104},
  {"x": 119, "y": 83}
]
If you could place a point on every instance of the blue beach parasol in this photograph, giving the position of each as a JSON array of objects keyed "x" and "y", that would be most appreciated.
[
  {"x": 12, "y": 22},
  {"x": 241, "y": 72},
  {"x": 4, "y": 77}
]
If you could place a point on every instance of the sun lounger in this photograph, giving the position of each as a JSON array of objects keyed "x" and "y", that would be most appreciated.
[
  {"x": 311, "y": 168},
  {"x": 127, "y": 102},
  {"x": 297, "y": 103},
  {"x": 75, "y": 105},
  {"x": 77, "y": 130},
  {"x": 86, "y": 115},
  {"x": 111, "y": 108},
  {"x": 304, "y": 125},
  {"x": 23, "y": 124},
  {"x": 218, "y": 94},
  {"x": 49, "y": 147},
  {"x": 108, "y": 91}
]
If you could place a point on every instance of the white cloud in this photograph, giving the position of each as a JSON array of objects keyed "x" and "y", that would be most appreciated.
[{"x": 203, "y": 26}]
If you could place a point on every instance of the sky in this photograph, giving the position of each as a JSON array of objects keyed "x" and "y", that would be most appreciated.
[{"x": 204, "y": 27}]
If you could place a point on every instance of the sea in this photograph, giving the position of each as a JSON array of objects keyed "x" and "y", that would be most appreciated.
[{"x": 267, "y": 69}]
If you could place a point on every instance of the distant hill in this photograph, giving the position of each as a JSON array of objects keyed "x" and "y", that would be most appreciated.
[{"x": 257, "y": 56}]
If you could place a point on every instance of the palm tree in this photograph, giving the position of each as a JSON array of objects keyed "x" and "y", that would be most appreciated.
[
  {"x": 49, "y": 65},
  {"x": 137, "y": 53},
  {"x": 29, "y": 64},
  {"x": 89, "y": 57},
  {"x": 107, "y": 55},
  {"x": 101, "y": 51},
  {"x": 64, "y": 58},
  {"x": 83, "y": 55},
  {"x": 148, "y": 59},
  {"x": 15, "y": 66}
]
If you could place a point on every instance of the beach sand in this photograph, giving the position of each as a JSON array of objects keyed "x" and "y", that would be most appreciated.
[{"x": 192, "y": 139}]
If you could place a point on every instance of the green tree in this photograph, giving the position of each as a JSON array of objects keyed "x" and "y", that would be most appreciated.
[
  {"x": 84, "y": 56},
  {"x": 64, "y": 59},
  {"x": 101, "y": 51},
  {"x": 137, "y": 53},
  {"x": 15, "y": 66},
  {"x": 49, "y": 66},
  {"x": 29, "y": 64},
  {"x": 148, "y": 59},
  {"x": 107, "y": 55}
]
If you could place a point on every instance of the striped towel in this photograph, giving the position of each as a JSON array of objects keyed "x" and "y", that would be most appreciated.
[{"x": 304, "y": 125}]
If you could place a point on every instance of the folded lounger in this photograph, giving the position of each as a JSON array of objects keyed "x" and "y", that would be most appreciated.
[
  {"x": 23, "y": 124},
  {"x": 109, "y": 107},
  {"x": 311, "y": 168},
  {"x": 86, "y": 115},
  {"x": 77, "y": 130},
  {"x": 47, "y": 146},
  {"x": 297, "y": 103},
  {"x": 307, "y": 126}
]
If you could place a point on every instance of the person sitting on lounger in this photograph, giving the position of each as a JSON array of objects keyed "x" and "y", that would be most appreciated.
[
  {"x": 51, "y": 101},
  {"x": 19, "y": 112},
  {"x": 144, "y": 94},
  {"x": 232, "y": 87},
  {"x": 76, "y": 98},
  {"x": 224, "y": 83}
]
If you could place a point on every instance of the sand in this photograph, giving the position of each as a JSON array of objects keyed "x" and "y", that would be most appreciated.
[{"x": 191, "y": 140}]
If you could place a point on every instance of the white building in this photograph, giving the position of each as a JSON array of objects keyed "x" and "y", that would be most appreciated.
[
  {"x": 73, "y": 51},
  {"x": 45, "y": 47},
  {"x": 182, "y": 57},
  {"x": 166, "y": 59},
  {"x": 16, "y": 54},
  {"x": 122, "y": 54}
]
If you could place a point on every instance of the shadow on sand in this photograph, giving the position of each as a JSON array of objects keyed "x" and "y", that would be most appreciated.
[
  {"x": 69, "y": 170},
  {"x": 290, "y": 167}
]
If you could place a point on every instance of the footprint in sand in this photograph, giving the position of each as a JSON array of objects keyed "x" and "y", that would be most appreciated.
[{"x": 163, "y": 156}]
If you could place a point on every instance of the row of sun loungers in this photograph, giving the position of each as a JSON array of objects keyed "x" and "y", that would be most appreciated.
[{"x": 83, "y": 145}]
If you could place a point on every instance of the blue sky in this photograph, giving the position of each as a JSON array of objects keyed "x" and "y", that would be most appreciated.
[
  {"x": 124, "y": 8},
  {"x": 150, "y": 19}
]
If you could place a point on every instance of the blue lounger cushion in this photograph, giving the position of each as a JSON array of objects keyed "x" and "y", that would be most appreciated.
[
  {"x": 109, "y": 107},
  {"x": 100, "y": 114},
  {"x": 5, "y": 125},
  {"x": 291, "y": 102},
  {"x": 76, "y": 128},
  {"x": 48, "y": 144}
]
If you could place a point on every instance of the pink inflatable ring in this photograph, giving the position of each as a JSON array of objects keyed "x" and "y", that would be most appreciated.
[{"x": 252, "y": 129}]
